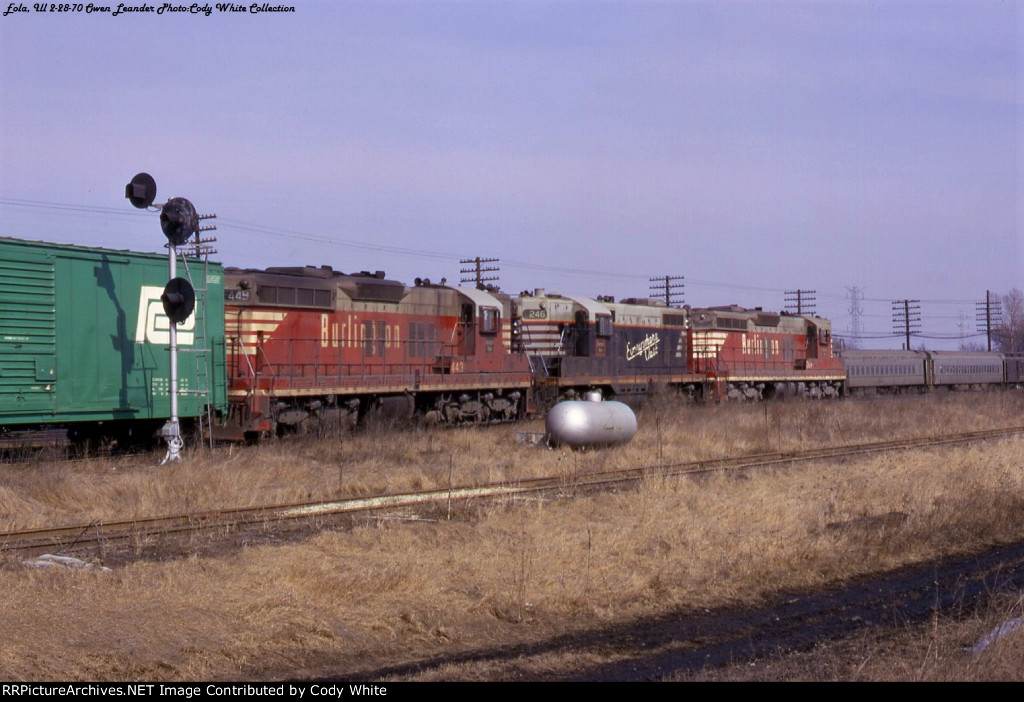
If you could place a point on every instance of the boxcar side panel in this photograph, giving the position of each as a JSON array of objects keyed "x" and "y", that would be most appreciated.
[
  {"x": 83, "y": 336},
  {"x": 27, "y": 332}
]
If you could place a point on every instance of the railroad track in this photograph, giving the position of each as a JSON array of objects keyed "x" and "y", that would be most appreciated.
[{"x": 88, "y": 537}]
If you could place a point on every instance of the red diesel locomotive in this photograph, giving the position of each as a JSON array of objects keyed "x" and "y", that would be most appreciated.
[
  {"x": 312, "y": 345},
  {"x": 752, "y": 354},
  {"x": 639, "y": 346}
]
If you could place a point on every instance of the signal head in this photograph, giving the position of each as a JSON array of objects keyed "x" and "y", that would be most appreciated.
[
  {"x": 141, "y": 191},
  {"x": 179, "y": 220},
  {"x": 179, "y": 300}
]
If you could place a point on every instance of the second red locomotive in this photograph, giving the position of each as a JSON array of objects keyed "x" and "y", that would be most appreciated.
[{"x": 636, "y": 347}]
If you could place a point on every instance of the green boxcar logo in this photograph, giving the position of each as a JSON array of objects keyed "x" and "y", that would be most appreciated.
[{"x": 153, "y": 326}]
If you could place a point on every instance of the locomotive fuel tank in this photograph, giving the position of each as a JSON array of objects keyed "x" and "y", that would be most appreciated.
[{"x": 580, "y": 423}]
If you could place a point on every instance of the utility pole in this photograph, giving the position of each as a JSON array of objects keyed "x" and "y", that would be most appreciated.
[
  {"x": 989, "y": 315},
  {"x": 201, "y": 247},
  {"x": 800, "y": 301},
  {"x": 906, "y": 318},
  {"x": 477, "y": 271},
  {"x": 665, "y": 289}
]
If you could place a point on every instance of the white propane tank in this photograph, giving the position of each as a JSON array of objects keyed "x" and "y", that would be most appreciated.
[{"x": 579, "y": 423}]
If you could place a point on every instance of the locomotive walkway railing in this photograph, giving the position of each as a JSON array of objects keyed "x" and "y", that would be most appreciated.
[{"x": 304, "y": 363}]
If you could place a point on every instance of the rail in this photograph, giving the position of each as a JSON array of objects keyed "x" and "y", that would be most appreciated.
[{"x": 77, "y": 537}]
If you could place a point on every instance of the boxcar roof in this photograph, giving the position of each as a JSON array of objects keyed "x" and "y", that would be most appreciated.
[{"x": 77, "y": 248}]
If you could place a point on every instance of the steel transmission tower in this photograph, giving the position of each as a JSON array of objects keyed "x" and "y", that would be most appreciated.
[{"x": 855, "y": 295}]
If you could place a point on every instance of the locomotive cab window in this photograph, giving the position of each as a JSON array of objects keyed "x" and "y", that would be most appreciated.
[
  {"x": 490, "y": 320},
  {"x": 604, "y": 325}
]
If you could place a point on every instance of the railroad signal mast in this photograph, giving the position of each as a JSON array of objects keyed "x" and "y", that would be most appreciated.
[
  {"x": 478, "y": 270},
  {"x": 669, "y": 290},
  {"x": 989, "y": 315},
  {"x": 179, "y": 223},
  {"x": 800, "y": 302},
  {"x": 906, "y": 318}
]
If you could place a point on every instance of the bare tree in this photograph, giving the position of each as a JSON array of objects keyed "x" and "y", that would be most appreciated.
[{"x": 1009, "y": 337}]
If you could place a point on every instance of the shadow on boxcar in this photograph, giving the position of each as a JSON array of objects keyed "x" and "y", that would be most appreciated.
[{"x": 120, "y": 342}]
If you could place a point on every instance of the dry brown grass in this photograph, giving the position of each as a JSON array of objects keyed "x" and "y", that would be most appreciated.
[
  {"x": 50, "y": 493},
  {"x": 495, "y": 575},
  {"x": 940, "y": 650}
]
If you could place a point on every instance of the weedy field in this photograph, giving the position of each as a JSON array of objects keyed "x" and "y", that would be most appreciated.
[
  {"x": 983, "y": 644},
  {"x": 394, "y": 591}
]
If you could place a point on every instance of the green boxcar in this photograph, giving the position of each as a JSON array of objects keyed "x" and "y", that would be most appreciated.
[{"x": 84, "y": 339}]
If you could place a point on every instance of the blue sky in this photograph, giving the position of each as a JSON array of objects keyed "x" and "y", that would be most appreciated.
[{"x": 752, "y": 147}]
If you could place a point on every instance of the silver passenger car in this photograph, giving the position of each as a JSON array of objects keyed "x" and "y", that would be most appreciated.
[
  {"x": 885, "y": 371},
  {"x": 963, "y": 369}
]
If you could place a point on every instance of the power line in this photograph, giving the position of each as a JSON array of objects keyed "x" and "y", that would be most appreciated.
[
  {"x": 429, "y": 254},
  {"x": 64, "y": 207}
]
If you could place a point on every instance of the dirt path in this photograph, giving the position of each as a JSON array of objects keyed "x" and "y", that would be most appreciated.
[{"x": 657, "y": 648}]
